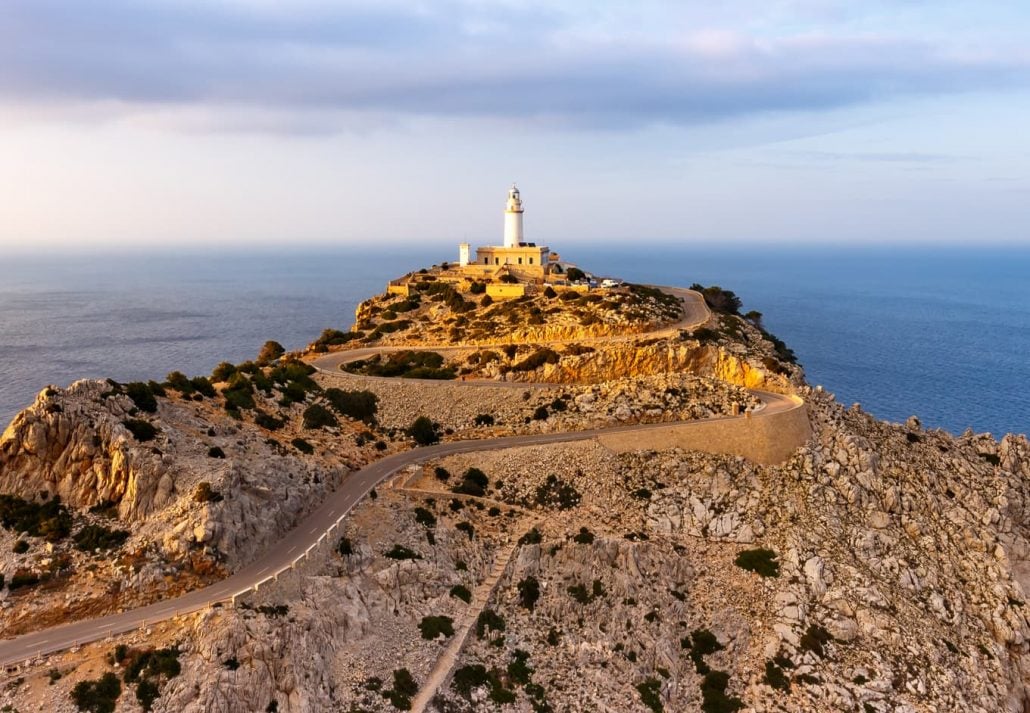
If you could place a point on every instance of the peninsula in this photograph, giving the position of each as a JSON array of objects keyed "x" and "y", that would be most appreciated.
[{"x": 511, "y": 485}]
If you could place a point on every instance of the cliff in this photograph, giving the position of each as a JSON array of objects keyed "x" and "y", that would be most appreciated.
[{"x": 876, "y": 567}]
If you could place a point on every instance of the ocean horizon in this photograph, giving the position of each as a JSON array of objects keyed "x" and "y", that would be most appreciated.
[{"x": 940, "y": 333}]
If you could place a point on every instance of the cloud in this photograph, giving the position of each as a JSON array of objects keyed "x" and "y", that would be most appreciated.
[{"x": 316, "y": 66}]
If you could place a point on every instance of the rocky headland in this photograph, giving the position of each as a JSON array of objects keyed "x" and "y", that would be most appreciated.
[{"x": 878, "y": 567}]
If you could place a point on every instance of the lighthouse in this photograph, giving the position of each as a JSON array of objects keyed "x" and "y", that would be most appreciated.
[{"x": 513, "y": 219}]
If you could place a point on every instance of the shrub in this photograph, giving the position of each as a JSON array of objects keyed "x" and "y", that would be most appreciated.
[
  {"x": 461, "y": 592},
  {"x": 574, "y": 274},
  {"x": 141, "y": 430},
  {"x": 223, "y": 372},
  {"x": 303, "y": 446},
  {"x": 270, "y": 351},
  {"x": 488, "y": 620},
  {"x": 529, "y": 592},
  {"x": 318, "y": 416},
  {"x": 215, "y": 452},
  {"x": 468, "y": 678},
  {"x": 486, "y": 301},
  {"x": 474, "y": 483},
  {"x": 180, "y": 382},
  {"x": 98, "y": 537},
  {"x": 585, "y": 537},
  {"x": 239, "y": 393},
  {"x": 400, "y": 552},
  {"x": 49, "y": 520},
  {"x": 441, "y": 473},
  {"x": 333, "y": 337},
  {"x": 344, "y": 547},
  {"x": 142, "y": 395},
  {"x": 650, "y": 694},
  {"x": 359, "y": 405},
  {"x": 425, "y": 517},
  {"x": 434, "y": 626},
  {"x": 146, "y": 693},
  {"x": 20, "y": 547},
  {"x": 477, "y": 288},
  {"x": 718, "y": 299},
  {"x": 533, "y": 537},
  {"x": 467, "y": 528},
  {"x": 206, "y": 494},
  {"x": 423, "y": 431},
  {"x": 202, "y": 385},
  {"x": 483, "y": 419},
  {"x": 541, "y": 413},
  {"x": 558, "y": 494},
  {"x": 775, "y": 678},
  {"x": 508, "y": 279},
  {"x": 701, "y": 643},
  {"x": 23, "y": 578},
  {"x": 760, "y": 561},
  {"x": 268, "y": 422},
  {"x": 549, "y": 293},
  {"x": 97, "y": 696}
]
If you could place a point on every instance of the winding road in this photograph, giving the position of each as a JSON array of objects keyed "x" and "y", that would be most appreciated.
[{"x": 317, "y": 528}]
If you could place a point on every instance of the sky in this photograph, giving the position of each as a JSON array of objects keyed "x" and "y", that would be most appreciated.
[{"x": 132, "y": 124}]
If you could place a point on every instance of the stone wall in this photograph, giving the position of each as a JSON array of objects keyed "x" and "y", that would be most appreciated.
[{"x": 763, "y": 438}]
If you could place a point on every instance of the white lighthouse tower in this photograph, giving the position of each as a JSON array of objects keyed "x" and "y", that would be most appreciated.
[{"x": 513, "y": 219}]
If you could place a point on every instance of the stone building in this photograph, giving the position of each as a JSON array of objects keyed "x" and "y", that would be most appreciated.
[{"x": 527, "y": 261}]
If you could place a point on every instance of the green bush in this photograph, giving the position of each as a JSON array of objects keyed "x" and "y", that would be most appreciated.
[
  {"x": 49, "y": 520},
  {"x": 146, "y": 693},
  {"x": 404, "y": 364},
  {"x": 701, "y": 643},
  {"x": 268, "y": 422},
  {"x": 574, "y": 274},
  {"x": 98, "y": 537},
  {"x": 533, "y": 537},
  {"x": 584, "y": 537},
  {"x": 425, "y": 517},
  {"x": 423, "y": 431},
  {"x": 332, "y": 338},
  {"x": 775, "y": 678},
  {"x": 541, "y": 413},
  {"x": 718, "y": 299},
  {"x": 270, "y": 351},
  {"x": 344, "y": 547},
  {"x": 318, "y": 416},
  {"x": 442, "y": 474},
  {"x": 650, "y": 694},
  {"x": 400, "y": 552},
  {"x": 434, "y": 626},
  {"x": 303, "y": 446},
  {"x": 99, "y": 696},
  {"x": 483, "y": 419},
  {"x": 23, "y": 578},
  {"x": 223, "y": 372},
  {"x": 760, "y": 561},
  {"x": 468, "y": 678},
  {"x": 215, "y": 452},
  {"x": 20, "y": 547},
  {"x": 549, "y": 293},
  {"x": 488, "y": 620},
  {"x": 359, "y": 405},
  {"x": 461, "y": 592},
  {"x": 474, "y": 482},
  {"x": 529, "y": 592},
  {"x": 467, "y": 528},
  {"x": 202, "y": 385},
  {"x": 141, "y": 430},
  {"x": 142, "y": 395},
  {"x": 180, "y": 382}
]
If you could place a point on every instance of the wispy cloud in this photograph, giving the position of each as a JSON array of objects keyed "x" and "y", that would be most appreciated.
[{"x": 314, "y": 66}]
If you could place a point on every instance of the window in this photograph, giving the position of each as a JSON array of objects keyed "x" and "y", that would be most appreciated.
[
  {"x": 520, "y": 261},
  {"x": 486, "y": 261},
  {"x": 530, "y": 261}
]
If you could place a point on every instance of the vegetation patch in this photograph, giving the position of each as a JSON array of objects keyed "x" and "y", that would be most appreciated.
[
  {"x": 556, "y": 494},
  {"x": 400, "y": 552},
  {"x": 760, "y": 561},
  {"x": 423, "y": 431},
  {"x": 650, "y": 694},
  {"x": 98, "y": 537},
  {"x": 49, "y": 519},
  {"x": 434, "y": 626},
  {"x": 99, "y": 696},
  {"x": 140, "y": 429},
  {"x": 359, "y": 405},
  {"x": 474, "y": 482},
  {"x": 405, "y": 364}
]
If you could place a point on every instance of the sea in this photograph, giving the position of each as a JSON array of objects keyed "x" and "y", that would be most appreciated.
[{"x": 942, "y": 333}]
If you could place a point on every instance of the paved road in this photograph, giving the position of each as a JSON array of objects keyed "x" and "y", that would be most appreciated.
[{"x": 316, "y": 530}]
